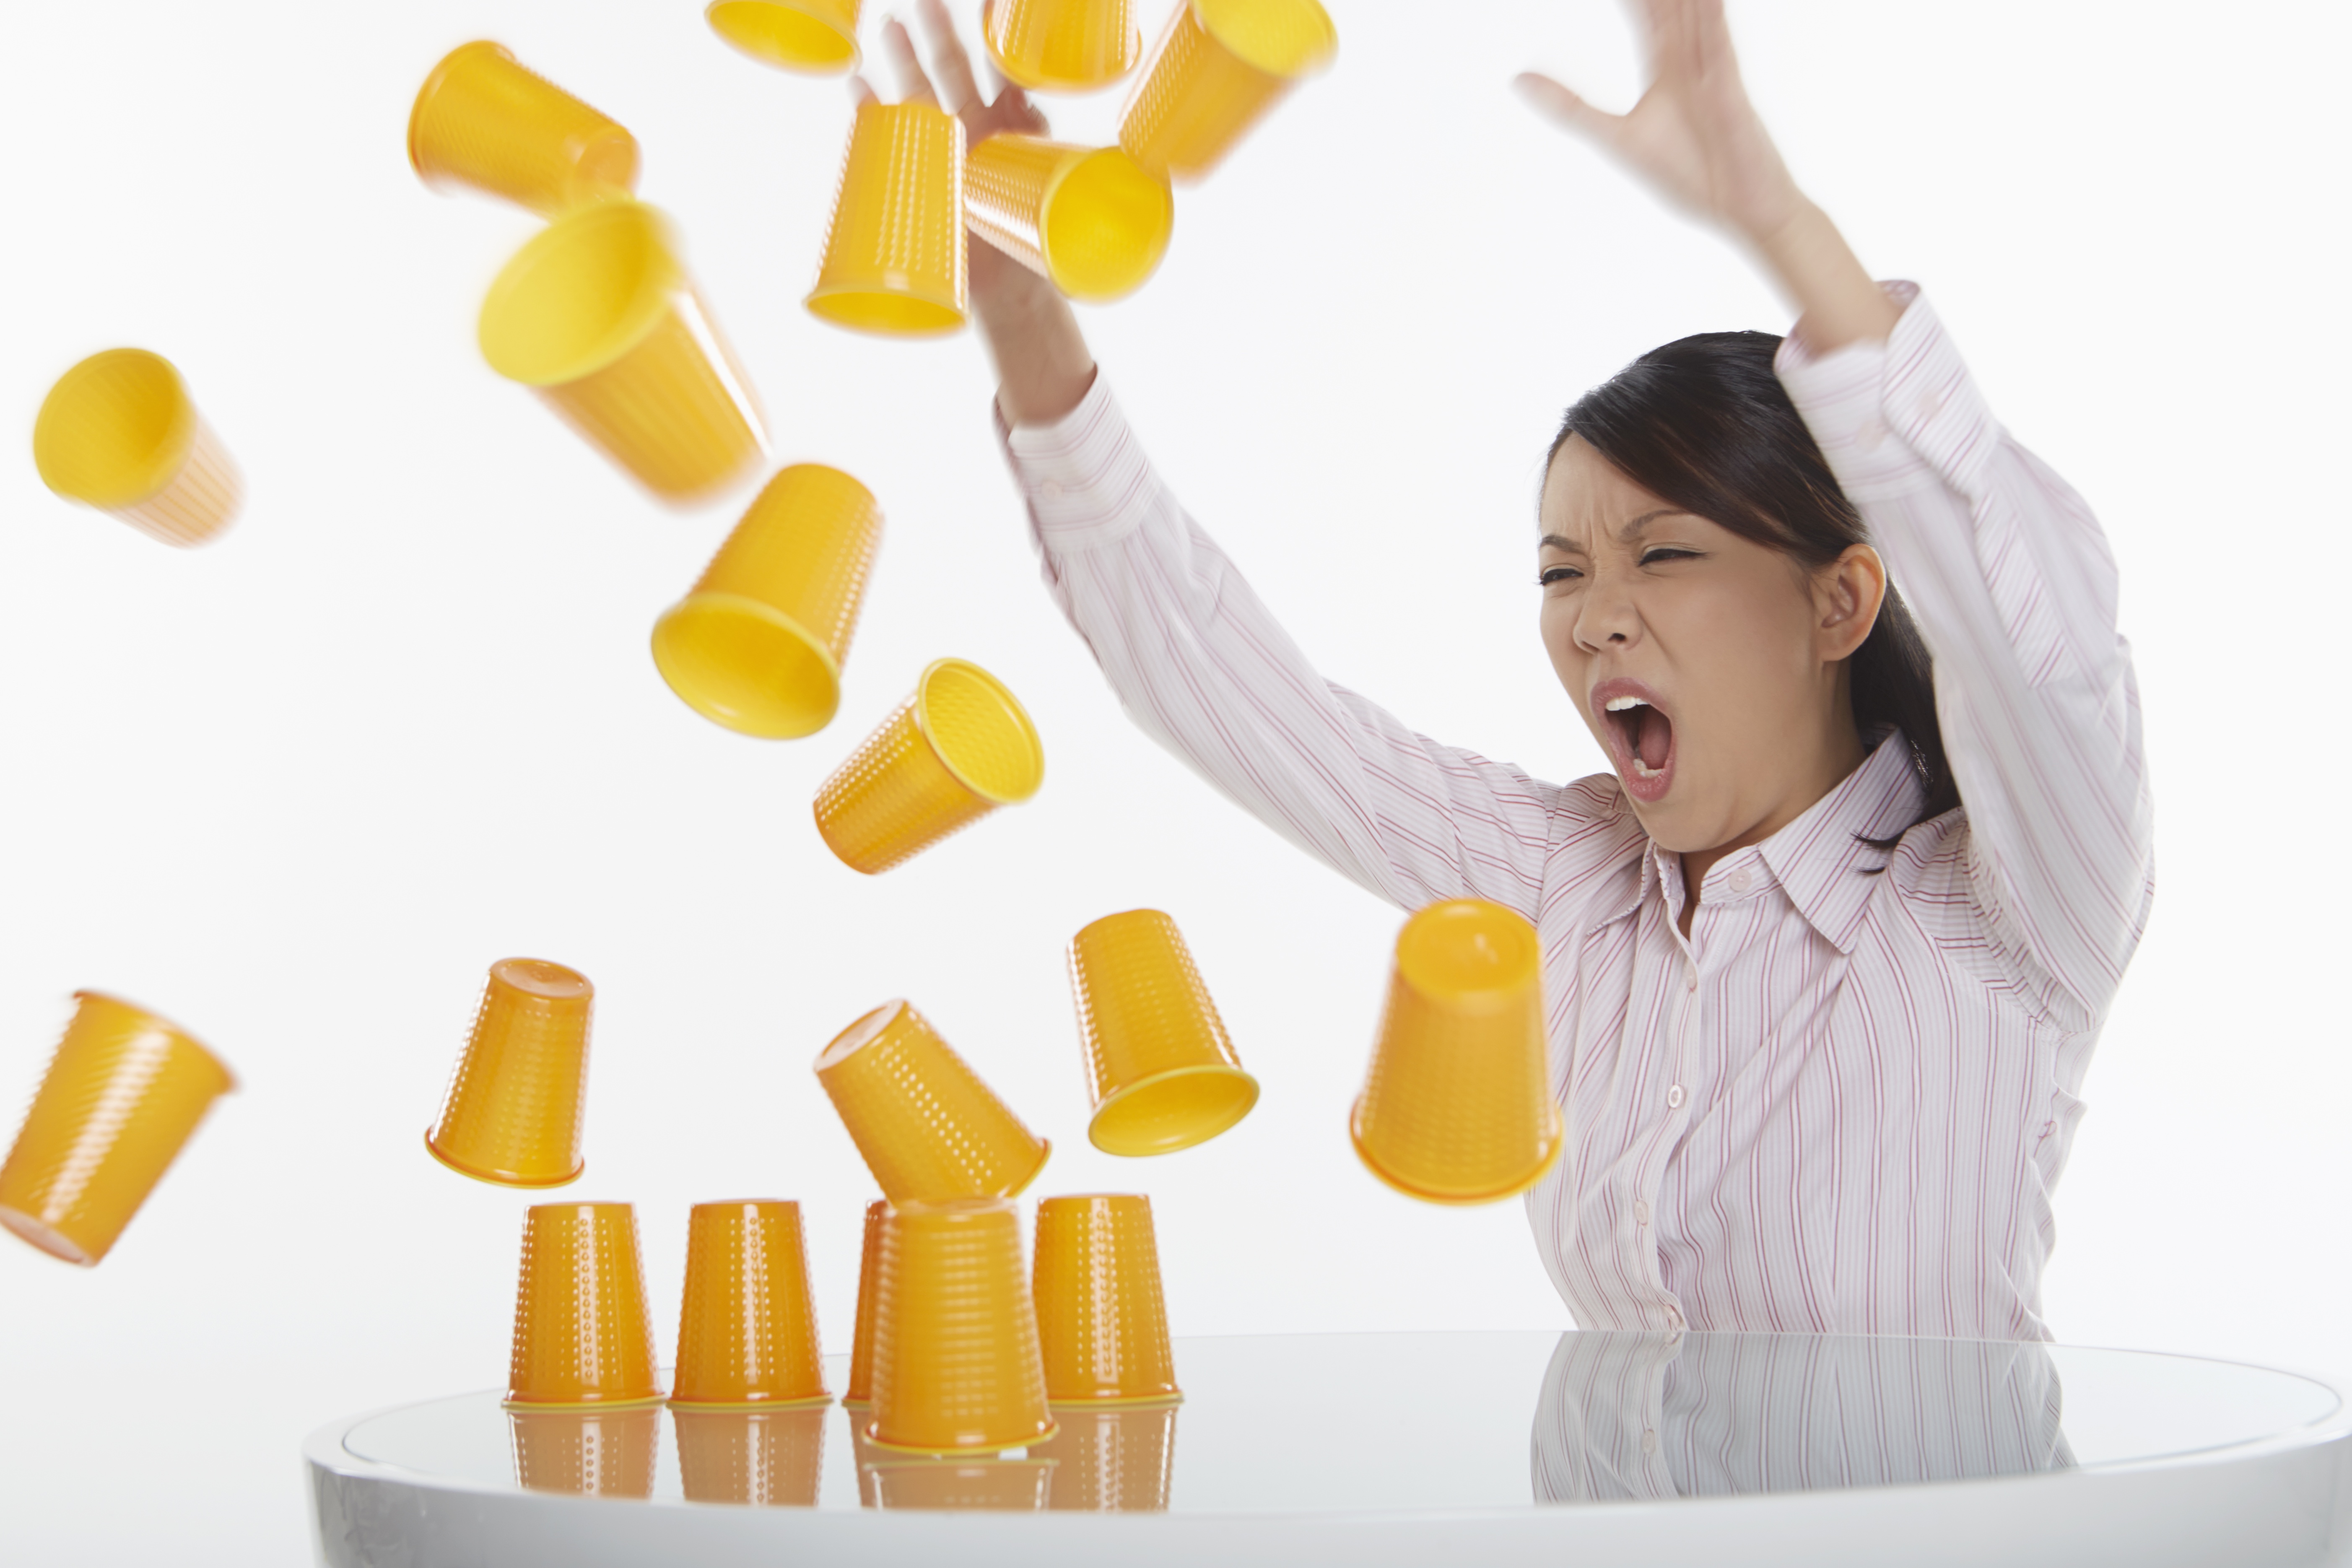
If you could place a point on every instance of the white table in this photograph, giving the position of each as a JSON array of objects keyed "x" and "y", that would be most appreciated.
[{"x": 1373, "y": 1449}]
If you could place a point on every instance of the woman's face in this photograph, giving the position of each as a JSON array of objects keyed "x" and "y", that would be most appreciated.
[{"x": 1708, "y": 666}]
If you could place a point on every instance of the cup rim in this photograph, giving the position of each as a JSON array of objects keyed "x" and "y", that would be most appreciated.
[
  {"x": 582, "y": 1407},
  {"x": 1558, "y": 1138},
  {"x": 1160, "y": 243},
  {"x": 699, "y": 603},
  {"x": 1052, "y": 1429},
  {"x": 1152, "y": 1080},
  {"x": 161, "y": 467},
  {"x": 818, "y": 1400},
  {"x": 1309, "y": 64},
  {"x": 500, "y": 1179},
  {"x": 849, "y": 63},
  {"x": 649, "y": 301},
  {"x": 1026, "y": 726},
  {"x": 1118, "y": 1402}
]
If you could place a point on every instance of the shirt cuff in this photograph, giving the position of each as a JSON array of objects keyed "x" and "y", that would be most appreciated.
[
  {"x": 1896, "y": 415},
  {"x": 1085, "y": 476}
]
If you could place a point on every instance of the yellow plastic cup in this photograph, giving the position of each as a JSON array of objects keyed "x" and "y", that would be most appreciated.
[
  {"x": 815, "y": 37},
  {"x": 483, "y": 119},
  {"x": 1062, "y": 45},
  {"x": 1159, "y": 1066},
  {"x": 598, "y": 315},
  {"x": 1088, "y": 219},
  {"x": 1005, "y": 1485},
  {"x": 747, "y": 1323},
  {"x": 958, "y": 748},
  {"x": 894, "y": 257},
  {"x": 757, "y": 645},
  {"x": 1102, "y": 1322},
  {"x": 1457, "y": 1108},
  {"x": 119, "y": 432},
  {"x": 123, "y": 1091},
  {"x": 1113, "y": 1461},
  {"x": 769, "y": 1459},
  {"x": 581, "y": 1334},
  {"x": 586, "y": 1453},
  {"x": 928, "y": 1128},
  {"x": 861, "y": 1344},
  {"x": 956, "y": 1364},
  {"x": 1215, "y": 72},
  {"x": 517, "y": 1099}
]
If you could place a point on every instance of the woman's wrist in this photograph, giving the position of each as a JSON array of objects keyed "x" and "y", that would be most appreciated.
[
  {"x": 1837, "y": 300},
  {"x": 1043, "y": 366}
]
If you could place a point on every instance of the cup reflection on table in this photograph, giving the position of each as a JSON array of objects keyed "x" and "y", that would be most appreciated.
[
  {"x": 887, "y": 1478},
  {"x": 769, "y": 1459},
  {"x": 1112, "y": 1462},
  {"x": 587, "y": 1453}
]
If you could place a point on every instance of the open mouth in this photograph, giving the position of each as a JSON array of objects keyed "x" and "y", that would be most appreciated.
[{"x": 1641, "y": 738}]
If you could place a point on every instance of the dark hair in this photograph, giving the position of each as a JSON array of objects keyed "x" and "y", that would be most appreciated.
[{"x": 1704, "y": 425}]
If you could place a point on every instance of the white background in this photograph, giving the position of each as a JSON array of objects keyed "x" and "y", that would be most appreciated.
[{"x": 298, "y": 789}]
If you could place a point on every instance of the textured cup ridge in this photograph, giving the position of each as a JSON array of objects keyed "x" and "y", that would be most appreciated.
[
  {"x": 584, "y": 1453},
  {"x": 1102, "y": 1319},
  {"x": 956, "y": 1360},
  {"x": 928, "y": 1126},
  {"x": 581, "y": 1333},
  {"x": 1061, "y": 45},
  {"x": 1113, "y": 1461},
  {"x": 483, "y": 119},
  {"x": 768, "y": 1459},
  {"x": 747, "y": 1321}
]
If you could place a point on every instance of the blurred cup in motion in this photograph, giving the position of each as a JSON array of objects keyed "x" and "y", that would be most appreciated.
[
  {"x": 1457, "y": 1106},
  {"x": 581, "y": 1334},
  {"x": 956, "y": 1364},
  {"x": 1215, "y": 72},
  {"x": 1112, "y": 1462},
  {"x": 1160, "y": 1068},
  {"x": 928, "y": 1128},
  {"x": 769, "y": 1459},
  {"x": 759, "y": 644},
  {"x": 1102, "y": 1322},
  {"x": 1061, "y": 45},
  {"x": 586, "y": 1453},
  {"x": 517, "y": 1099},
  {"x": 894, "y": 256},
  {"x": 747, "y": 1322},
  {"x": 861, "y": 1344},
  {"x": 816, "y": 37},
  {"x": 123, "y": 1091},
  {"x": 598, "y": 315},
  {"x": 958, "y": 748},
  {"x": 118, "y": 433},
  {"x": 1089, "y": 219},
  {"x": 483, "y": 119}
]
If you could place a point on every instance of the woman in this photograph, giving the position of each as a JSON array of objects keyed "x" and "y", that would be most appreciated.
[{"x": 1827, "y": 954}]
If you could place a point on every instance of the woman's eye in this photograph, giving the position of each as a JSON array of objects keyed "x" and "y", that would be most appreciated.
[
  {"x": 1552, "y": 574},
  {"x": 1666, "y": 553}
]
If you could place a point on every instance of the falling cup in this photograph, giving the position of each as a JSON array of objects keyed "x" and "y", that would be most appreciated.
[
  {"x": 484, "y": 120},
  {"x": 894, "y": 256},
  {"x": 747, "y": 1322},
  {"x": 928, "y": 1129},
  {"x": 958, "y": 748},
  {"x": 860, "y": 1393},
  {"x": 123, "y": 1091},
  {"x": 1088, "y": 219},
  {"x": 1457, "y": 1106},
  {"x": 581, "y": 1334},
  {"x": 956, "y": 1363},
  {"x": 517, "y": 1098},
  {"x": 818, "y": 38},
  {"x": 1061, "y": 45},
  {"x": 1102, "y": 1322},
  {"x": 1159, "y": 1066},
  {"x": 119, "y": 432},
  {"x": 1215, "y": 72},
  {"x": 768, "y": 1459}
]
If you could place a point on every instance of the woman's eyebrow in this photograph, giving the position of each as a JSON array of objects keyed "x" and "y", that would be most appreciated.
[{"x": 1625, "y": 533}]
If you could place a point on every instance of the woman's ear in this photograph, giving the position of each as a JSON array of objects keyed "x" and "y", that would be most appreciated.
[{"x": 1847, "y": 595}]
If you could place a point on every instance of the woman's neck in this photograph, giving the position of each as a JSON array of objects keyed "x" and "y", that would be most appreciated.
[{"x": 1836, "y": 763}]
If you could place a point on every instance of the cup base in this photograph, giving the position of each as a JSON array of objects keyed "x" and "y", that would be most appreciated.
[
  {"x": 749, "y": 1406},
  {"x": 1558, "y": 1138},
  {"x": 746, "y": 665},
  {"x": 1172, "y": 1110},
  {"x": 47, "y": 1238},
  {"x": 501, "y": 1178},
  {"x": 1123, "y": 1402},
  {"x": 883, "y": 313},
  {"x": 784, "y": 36},
  {"x": 582, "y": 1406},
  {"x": 1051, "y": 1428}
]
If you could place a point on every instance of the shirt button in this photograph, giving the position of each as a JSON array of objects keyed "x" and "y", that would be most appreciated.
[
  {"x": 1693, "y": 983},
  {"x": 1930, "y": 405},
  {"x": 1869, "y": 434},
  {"x": 1673, "y": 1318},
  {"x": 1649, "y": 1442},
  {"x": 1641, "y": 1212},
  {"x": 1739, "y": 880},
  {"x": 1674, "y": 1098},
  {"x": 1050, "y": 488}
]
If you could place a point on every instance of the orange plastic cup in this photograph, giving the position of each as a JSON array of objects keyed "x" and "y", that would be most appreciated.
[
  {"x": 958, "y": 748},
  {"x": 1457, "y": 1108},
  {"x": 586, "y": 1453},
  {"x": 119, "y": 433},
  {"x": 598, "y": 315},
  {"x": 123, "y": 1091},
  {"x": 1089, "y": 219},
  {"x": 861, "y": 1344},
  {"x": 1113, "y": 1461},
  {"x": 513, "y": 1113},
  {"x": 1011, "y": 1486},
  {"x": 815, "y": 37},
  {"x": 928, "y": 1128},
  {"x": 747, "y": 1325},
  {"x": 581, "y": 1335},
  {"x": 1159, "y": 1066},
  {"x": 1215, "y": 72},
  {"x": 757, "y": 645},
  {"x": 1061, "y": 45},
  {"x": 1102, "y": 1323},
  {"x": 769, "y": 1459},
  {"x": 483, "y": 119},
  {"x": 956, "y": 1364},
  {"x": 894, "y": 257}
]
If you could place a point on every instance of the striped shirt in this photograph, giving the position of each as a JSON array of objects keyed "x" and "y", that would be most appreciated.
[{"x": 1841, "y": 1104}]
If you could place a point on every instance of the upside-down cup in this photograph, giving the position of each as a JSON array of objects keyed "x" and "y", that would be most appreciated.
[
  {"x": 894, "y": 256},
  {"x": 956, "y": 1364},
  {"x": 1112, "y": 1462},
  {"x": 123, "y": 1091},
  {"x": 1215, "y": 72},
  {"x": 581, "y": 1334},
  {"x": 747, "y": 1323},
  {"x": 1088, "y": 219},
  {"x": 1457, "y": 1107},
  {"x": 815, "y": 37},
  {"x": 119, "y": 432},
  {"x": 517, "y": 1099},
  {"x": 759, "y": 644},
  {"x": 1008, "y": 1486},
  {"x": 598, "y": 315},
  {"x": 586, "y": 1453},
  {"x": 928, "y": 1129},
  {"x": 860, "y": 1393},
  {"x": 1061, "y": 45},
  {"x": 1102, "y": 1322},
  {"x": 769, "y": 1459},
  {"x": 958, "y": 748},
  {"x": 484, "y": 120},
  {"x": 1159, "y": 1066}
]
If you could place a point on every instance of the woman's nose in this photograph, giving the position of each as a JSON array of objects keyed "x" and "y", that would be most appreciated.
[{"x": 1605, "y": 618}]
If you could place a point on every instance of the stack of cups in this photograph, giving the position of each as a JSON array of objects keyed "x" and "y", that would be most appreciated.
[
  {"x": 516, "y": 1103},
  {"x": 957, "y": 749},
  {"x": 119, "y": 433},
  {"x": 1215, "y": 72}
]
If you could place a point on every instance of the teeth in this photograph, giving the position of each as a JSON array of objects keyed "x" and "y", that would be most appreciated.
[
  {"x": 1620, "y": 704},
  {"x": 1643, "y": 770}
]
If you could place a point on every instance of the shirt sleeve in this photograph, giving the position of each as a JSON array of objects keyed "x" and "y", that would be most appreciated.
[
  {"x": 2014, "y": 590},
  {"x": 1202, "y": 667}
]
